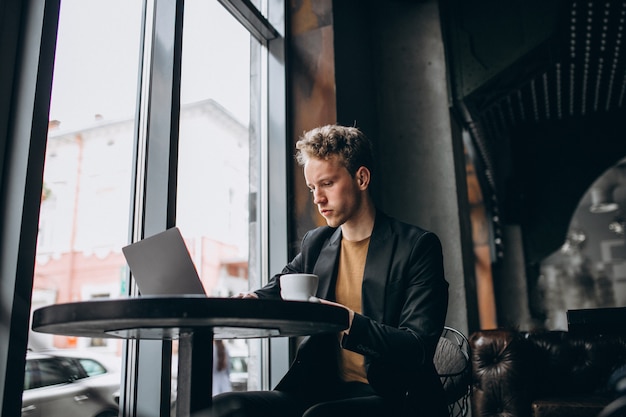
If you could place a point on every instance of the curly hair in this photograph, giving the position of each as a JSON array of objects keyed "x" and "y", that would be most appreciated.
[{"x": 349, "y": 144}]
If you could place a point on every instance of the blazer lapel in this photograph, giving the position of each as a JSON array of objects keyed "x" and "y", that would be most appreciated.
[
  {"x": 325, "y": 267},
  {"x": 377, "y": 267}
]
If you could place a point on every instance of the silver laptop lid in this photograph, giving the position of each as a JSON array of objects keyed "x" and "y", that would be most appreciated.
[{"x": 162, "y": 265}]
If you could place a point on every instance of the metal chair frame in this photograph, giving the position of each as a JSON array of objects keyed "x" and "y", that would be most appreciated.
[{"x": 460, "y": 406}]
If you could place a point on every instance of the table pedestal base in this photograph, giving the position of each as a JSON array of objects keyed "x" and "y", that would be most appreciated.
[{"x": 195, "y": 372}]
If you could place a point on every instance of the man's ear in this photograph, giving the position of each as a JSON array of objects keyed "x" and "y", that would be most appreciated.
[{"x": 363, "y": 177}]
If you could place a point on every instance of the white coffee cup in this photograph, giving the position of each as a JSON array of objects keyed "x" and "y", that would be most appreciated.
[{"x": 298, "y": 287}]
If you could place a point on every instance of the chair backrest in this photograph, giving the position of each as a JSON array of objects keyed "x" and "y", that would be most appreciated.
[{"x": 452, "y": 361}]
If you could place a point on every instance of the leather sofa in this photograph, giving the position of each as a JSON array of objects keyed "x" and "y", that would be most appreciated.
[{"x": 543, "y": 374}]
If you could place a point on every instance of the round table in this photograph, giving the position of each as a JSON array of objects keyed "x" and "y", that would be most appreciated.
[{"x": 195, "y": 321}]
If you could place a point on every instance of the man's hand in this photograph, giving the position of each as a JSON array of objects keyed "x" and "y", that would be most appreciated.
[{"x": 245, "y": 295}]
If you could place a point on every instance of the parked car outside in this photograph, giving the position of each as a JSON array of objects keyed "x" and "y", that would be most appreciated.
[
  {"x": 239, "y": 373},
  {"x": 56, "y": 385}
]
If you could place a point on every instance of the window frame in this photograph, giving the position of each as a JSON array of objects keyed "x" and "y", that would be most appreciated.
[
  {"x": 28, "y": 31},
  {"x": 157, "y": 212}
]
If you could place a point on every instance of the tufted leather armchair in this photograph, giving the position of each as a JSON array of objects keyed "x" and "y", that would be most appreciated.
[{"x": 542, "y": 374}]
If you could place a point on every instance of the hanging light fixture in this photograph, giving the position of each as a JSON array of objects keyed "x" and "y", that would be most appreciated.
[
  {"x": 602, "y": 190},
  {"x": 618, "y": 226},
  {"x": 602, "y": 200}
]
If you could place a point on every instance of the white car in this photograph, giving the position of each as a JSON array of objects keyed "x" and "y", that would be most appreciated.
[
  {"x": 65, "y": 386},
  {"x": 238, "y": 370}
]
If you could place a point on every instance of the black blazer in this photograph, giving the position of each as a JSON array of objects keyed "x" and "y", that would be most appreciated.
[{"x": 404, "y": 303}]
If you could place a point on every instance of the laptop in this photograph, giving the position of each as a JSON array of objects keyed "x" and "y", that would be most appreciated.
[{"x": 162, "y": 265}]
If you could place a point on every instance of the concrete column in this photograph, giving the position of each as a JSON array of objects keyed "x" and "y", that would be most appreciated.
[{"x": 391, "y": 81}]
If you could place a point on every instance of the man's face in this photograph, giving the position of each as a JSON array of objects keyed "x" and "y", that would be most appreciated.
[{"x": 335, "y": 191}]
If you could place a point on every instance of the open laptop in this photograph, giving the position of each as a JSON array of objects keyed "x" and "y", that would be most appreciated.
[{"x": 162, "y": 265}]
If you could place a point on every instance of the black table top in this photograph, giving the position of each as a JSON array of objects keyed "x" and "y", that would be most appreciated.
[{"x": 170, "y": 316}]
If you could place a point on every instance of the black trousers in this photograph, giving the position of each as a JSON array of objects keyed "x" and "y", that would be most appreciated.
[{"x": 350, "y": 399}]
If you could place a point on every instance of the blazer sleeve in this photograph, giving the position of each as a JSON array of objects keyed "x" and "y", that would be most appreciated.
[
  {"x": 303, "y": 262},
  {"x": 272, "y": 288}
]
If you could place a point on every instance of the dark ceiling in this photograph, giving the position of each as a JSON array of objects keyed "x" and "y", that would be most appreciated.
[{"x": 541, "y": 85}]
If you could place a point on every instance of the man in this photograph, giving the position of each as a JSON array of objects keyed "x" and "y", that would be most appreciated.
[{"x": 388, "y": 274}]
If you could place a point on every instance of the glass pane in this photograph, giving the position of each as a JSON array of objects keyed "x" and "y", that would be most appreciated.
[
  {"x": 217, "y": 161},
  {"x": 84, "y": 219},
  {"x": 92, "y": 367}
]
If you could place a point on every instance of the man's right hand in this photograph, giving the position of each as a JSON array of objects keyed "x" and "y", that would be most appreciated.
[{"x": 245, "y": 295}]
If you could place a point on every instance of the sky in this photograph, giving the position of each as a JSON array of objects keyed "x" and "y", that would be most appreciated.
[{"x": 97, "y": 60}]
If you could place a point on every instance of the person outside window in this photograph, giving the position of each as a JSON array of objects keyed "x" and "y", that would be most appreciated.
[{"x": 221, "y": 370}]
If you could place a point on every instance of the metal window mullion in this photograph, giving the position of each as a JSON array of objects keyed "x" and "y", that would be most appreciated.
[
  {"x": 28, "y": 30},
  {"x": 275, "y": 232},
  {"x": 252, "y": 19},
  {"x": 156, "y": 176}
]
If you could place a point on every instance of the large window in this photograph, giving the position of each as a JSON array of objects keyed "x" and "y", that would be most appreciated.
[
  {"x": 217, "y": 158},
  {"x": 84, "y": 217},
  {"x": 132, "y": 76}
]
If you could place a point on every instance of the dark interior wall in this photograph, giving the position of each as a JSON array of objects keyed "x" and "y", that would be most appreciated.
[
  {"x": 554, "y": 163},
  {"x": 510, "y": 283},
  {"x": 356, "y": 77},
  {"x": 356, "y": 68},
  {"x": 311, "y": 101},
  {"x": 489, "y": 38}
]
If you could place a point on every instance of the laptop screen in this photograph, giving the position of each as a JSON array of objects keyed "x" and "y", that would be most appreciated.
[{"x": 162, "y": 265}]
